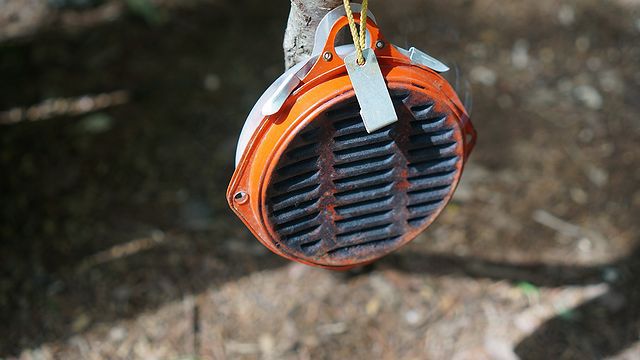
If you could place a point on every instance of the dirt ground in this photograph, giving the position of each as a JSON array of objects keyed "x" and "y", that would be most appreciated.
[{"x": 116, "y": 146}]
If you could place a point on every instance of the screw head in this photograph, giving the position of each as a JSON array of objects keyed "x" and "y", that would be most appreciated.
[
  {"x": 327, "y": 56},
  {"x": 241, "y": 197},
  {"x": 379, "y": 44}
]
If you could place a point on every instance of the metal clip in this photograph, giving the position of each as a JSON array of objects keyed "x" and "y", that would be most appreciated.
[
  {"x": 281, "y": 89},
  {"x": 376, "y": 107},
  {"x": 421, "y": 58}
]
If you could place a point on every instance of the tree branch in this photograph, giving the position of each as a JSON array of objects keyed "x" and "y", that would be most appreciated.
[{"x": 304, "y": 18}]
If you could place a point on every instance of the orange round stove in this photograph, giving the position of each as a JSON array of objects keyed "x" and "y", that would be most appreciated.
[{"x": 314, "y": 186}]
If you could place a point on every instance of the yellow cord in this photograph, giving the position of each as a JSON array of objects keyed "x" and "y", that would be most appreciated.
[{"x": 359, "y": 40}]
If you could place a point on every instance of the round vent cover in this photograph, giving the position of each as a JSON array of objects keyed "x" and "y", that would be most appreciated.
[{"x": 314, "y": 186}]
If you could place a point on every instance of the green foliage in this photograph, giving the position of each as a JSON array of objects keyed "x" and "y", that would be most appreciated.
[{"x": 528, "y": 289}]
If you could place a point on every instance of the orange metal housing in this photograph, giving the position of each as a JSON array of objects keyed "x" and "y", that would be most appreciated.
[{"x": 328, "y": 84}]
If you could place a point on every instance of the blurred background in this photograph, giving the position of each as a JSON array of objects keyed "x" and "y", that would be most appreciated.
[{"x": 118, "y": 125}]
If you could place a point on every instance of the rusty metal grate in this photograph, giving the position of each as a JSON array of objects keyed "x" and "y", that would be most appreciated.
[{"x": 339, "y": 194}]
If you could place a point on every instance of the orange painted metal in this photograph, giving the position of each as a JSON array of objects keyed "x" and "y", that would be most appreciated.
[{"x": 326, "y": 84}]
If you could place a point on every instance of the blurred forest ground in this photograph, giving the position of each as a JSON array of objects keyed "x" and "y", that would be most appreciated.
[{"x": 119, "y": 122}]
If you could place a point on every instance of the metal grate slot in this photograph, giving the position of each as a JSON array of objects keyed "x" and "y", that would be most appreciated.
[
  {"x": 364, "y": 166},
  {"x": 300, "y": 167},
  {"x": 370, "y": 233},
  {"x": 295, "y": 198},
  {"x": 432, "y": 138},
  {"x": 429, "y": 124},
  {"x": 433, "y": 152},
  {"x": 297, "y": 182},
  {"x": 346, "y": 110},
  {"x": 294, "y": 213},
  {"x": 421, "y": 112},
  {"x": 360, "y": 139},
  {"x": 364, "y": 152},
  {"x": 431, "y": 180},
  {"x": 364, "y": 193},
  {"x": 432, "y": 166},
  {"x": 303, "y": 236},
  {"x": 311, "y": 246},
  {"x": 309, "y": 135},
  {"x": 424, "y": 209},
  {"x": 365, "y": 207},
  {"x": 431, "y": 194},
  {"x": 376, "y": 245},
  {"x": 357, "y": 223},
  {"x": 363, "y": 180},
  {"x": 300, "y": 224},
  {"x": 303, "y": 152},
  {"x": 349, "y": 126}
]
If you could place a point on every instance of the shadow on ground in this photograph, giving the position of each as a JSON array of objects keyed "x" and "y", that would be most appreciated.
[
  {"x": 150, "y": 173},
  {"x": 602, "y": 327}
]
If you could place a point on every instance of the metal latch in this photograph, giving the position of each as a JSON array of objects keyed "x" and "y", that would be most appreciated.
[{"x": 376, "y": 107}]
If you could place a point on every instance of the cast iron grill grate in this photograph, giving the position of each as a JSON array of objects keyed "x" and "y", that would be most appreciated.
[{"x": 339, "y": 193}]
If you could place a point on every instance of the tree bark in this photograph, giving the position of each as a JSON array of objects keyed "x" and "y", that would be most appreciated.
[{"x": 304, "y": 18}]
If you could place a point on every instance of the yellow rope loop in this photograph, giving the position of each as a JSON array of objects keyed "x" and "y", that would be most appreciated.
[
  {"x": 359, "y": 40},
  {"x": 363, "y": 25}
]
